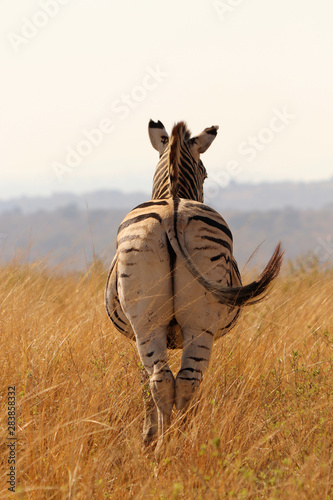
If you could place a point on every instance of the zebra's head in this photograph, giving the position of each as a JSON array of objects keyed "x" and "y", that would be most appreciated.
[{"x": 180, "y": 171}]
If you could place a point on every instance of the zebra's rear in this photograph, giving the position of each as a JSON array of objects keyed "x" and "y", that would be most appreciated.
[
  {"x": 164, "y": 303},
  {"x": 154, "y": 286}
]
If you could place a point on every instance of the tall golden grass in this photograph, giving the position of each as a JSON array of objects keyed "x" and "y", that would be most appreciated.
[{"x": 262, "y": 428}]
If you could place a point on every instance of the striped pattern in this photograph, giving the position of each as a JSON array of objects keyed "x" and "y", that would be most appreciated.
[
  {"x": 174, "y": 282},
  {"x": 176, "y": 174}
]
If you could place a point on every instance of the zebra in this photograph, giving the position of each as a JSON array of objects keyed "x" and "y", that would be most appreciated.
[{"x": 174, "y": 283}]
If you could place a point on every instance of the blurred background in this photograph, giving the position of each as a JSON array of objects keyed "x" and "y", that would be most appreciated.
[{"x": 81, "y": 79}]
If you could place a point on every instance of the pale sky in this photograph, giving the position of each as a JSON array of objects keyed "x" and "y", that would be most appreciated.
[{"x": 260, "y": 69}]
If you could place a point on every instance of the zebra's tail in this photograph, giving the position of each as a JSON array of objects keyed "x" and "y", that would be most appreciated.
[
  {"x": 179, "y": 134},
  {"x": 233, "y": 296}
]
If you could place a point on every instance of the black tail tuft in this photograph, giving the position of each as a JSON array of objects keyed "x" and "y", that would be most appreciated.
[{"x": 256, "y": 291}]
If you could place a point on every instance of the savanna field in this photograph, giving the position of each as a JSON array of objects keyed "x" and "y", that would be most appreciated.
[{"x": 262, "y": 428}]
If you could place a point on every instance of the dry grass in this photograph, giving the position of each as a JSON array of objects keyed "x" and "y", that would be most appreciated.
[{"x": 263, "y": 427}]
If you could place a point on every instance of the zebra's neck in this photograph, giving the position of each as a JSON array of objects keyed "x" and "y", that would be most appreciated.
[{"x": 177, "y": 173}]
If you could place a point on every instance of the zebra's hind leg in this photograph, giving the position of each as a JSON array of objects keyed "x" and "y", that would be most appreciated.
[
  {"x": 195, "y": 358},
  {"x": 150, "y": 425},
  {"x": 153, "y": 354},
  {"x": 162, "y": 386}
]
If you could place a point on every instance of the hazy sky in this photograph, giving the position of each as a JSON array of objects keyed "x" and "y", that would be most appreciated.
[{"x": 80, "y": 80}]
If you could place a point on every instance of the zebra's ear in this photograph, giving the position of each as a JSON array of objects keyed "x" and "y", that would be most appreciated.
[
  {"x": 158, "y": 135},
  {"x": 202, "y": 141}
]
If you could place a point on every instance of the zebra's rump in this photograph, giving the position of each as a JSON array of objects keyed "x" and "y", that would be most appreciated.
[{"x": 143, "y": 248}]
